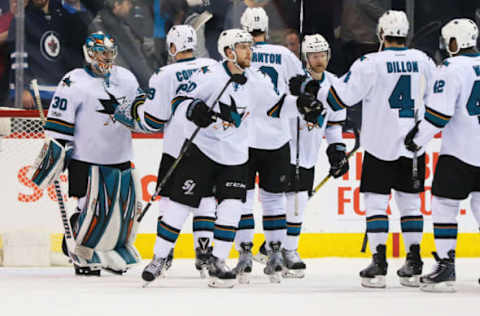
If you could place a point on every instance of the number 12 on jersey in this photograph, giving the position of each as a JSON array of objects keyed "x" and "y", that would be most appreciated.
[{"x": 401, "y": 97}]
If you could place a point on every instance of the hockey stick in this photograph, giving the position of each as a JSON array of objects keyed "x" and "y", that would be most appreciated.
[
  {"x": 236, "y": 78},
  {"x": 71, "y": 244},
  {"x": 356, "y": 133},
  {"x": 415, "y": 179},
  {"x": 297, "y": 147}
]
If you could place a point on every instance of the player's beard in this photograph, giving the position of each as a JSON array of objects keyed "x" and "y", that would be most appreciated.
[
  {"x": 244, "y": 63},
  {"x": 319, "y": 68}
]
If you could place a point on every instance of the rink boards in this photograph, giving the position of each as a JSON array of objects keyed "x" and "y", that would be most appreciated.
[{"x": 334, "y": 219}]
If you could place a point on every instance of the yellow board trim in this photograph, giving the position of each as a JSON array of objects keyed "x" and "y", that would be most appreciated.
[{"x": 311, "y": 245}]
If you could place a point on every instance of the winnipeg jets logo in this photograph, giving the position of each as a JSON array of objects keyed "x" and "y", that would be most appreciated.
[
  {"x": 230, "y": 114},
  {"x": 50, "y": 45}
]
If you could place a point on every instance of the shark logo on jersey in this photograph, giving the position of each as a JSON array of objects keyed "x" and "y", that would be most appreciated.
[
  {"x": 109, "y": 105},
  {"x": 230, "y": 115},
  {"x": 67, "y": 82}
]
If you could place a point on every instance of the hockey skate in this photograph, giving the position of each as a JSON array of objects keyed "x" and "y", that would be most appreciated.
[
  {"x": 442, "y": 279},
  {"x": 86, "y": 271},
  {"x": 274, "y": 265},
  {"x": 294, "y": 267},
  {"x": 373, "y": 276},
  {"x": 261, "y": 255},
  {"x": 410, "y": 272},
  {"x": 153, "y": 270},
  {"x": 243, "y": 268},
  {"x": 202, "y": 254},
  {"x": 220, "y": 275}
]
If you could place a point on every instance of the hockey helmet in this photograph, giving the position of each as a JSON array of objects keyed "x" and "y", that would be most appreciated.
[
  {"x": 464, "y": 31},
  {"x": 100, "y": 51},
  {"x": 183, "y": 36},
  {"x": 314, "y": 44},
  {"x": 230, "y": 38},
  {"x": 254, "y": 19},
  {"x": 392, "y": 23}
]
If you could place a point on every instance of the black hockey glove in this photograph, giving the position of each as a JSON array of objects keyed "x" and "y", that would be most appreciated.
[
  {"x": 301, "y": 84},
  {"x": 198, "y": 113},
  {"x": 337, "y": 159},
  {"x": 409, "y": 143},
  {"x": 310, "y": 108}
]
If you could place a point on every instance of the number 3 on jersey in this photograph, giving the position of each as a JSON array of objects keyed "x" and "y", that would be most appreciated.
[
  {"x": 401, "y": 97},
  {"x": 473, "y": 103}
]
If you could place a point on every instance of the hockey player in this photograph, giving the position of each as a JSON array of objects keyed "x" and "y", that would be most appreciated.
[
  {"x": 269, "y": 152},
  {"x": 219, "y": 151},
  {"x": 80, "y": 125},
  {"x": 316, "y": 52},
  {"x": 163, "y": 87},
  {"x": 453, "y": 104},
  {"x": 388, "y": 82}
]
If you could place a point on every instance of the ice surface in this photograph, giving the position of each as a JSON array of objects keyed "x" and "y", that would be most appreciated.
[{"x": 331, "y": 287}]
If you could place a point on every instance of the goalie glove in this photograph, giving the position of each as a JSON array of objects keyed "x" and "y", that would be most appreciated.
[
  {"x": 310, "y": 108},
  {"x": 51, "y": 162},
  {"x": 337, "y": 159},
  {"x": 301, "y": 84}
]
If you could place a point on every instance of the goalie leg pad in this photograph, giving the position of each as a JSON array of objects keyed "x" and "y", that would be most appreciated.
[{"x": 49, "y": 163}]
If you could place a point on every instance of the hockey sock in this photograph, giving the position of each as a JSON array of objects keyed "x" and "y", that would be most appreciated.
[
  {"x": 377, "y": 220},
  {"x": 228, "y": 216},
  {"x": 412, "y": 219},
  {"x": 204, "y": 220},
  {"x": 445, "y": 227},
  {"x": 246, "y": 225},
  {"x": 274, "y": 217},
  {"x": 169, "y": 228},
  {"x": 294, "y": 222}
]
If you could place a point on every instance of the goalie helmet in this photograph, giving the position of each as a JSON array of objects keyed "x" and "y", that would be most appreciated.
[
  {"x": 230, "y": 38},
  {"x": 314, "y": 44},
  {"x": 464, "y": 31},
  {"x": 392, "y": 23},
  {"x": 100, "y": 51},
  {"x": 254, "y": 19},
  {"x": 183, "y": 36}
]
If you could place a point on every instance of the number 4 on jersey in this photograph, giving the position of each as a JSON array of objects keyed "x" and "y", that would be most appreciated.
[
  {"x": 401, "y": 97},
  {"x": 473, "y": 103}
]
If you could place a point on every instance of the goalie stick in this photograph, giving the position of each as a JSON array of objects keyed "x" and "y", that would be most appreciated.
[{"x": 236, "y": 78}]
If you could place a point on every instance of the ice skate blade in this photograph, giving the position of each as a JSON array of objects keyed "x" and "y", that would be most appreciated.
[
  {"x": 260, "y": 258},
  {"x": 442, "y": 287},
  {"x": 221, "y": 284},
  {"x": 413, "y": 281},
  {"x": 293, "y": 274},
  {"x": 377, "y": 282},
  {"x": 243, "y": 278},
  {"x": 203, "y": 273},
  {"x": 146, "y": 284},
  {"x": 276, "y": 277}
]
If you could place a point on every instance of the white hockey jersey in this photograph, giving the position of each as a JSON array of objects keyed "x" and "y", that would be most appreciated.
[
  {"x": 82, "y": 111},
  {"x": 311, "y": 135},
  {"x": 454, "y": 98},
  {"x": 226, "y": 141},
  {"x": 164, "y": 85},
  {"x": 279, "y": 64},
  {"x": 388, "y": 83}
]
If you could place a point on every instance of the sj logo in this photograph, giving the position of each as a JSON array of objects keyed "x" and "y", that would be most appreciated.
[{"x": 188, "y": 187}]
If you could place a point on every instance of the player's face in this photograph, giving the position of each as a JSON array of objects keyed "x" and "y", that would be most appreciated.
[
  {"x": 318, "y": 61},
  {"x": 244, "y": 54}
]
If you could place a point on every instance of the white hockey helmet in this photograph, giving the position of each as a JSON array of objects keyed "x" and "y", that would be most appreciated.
[
  {"x": 314, "y": 44},
  {"x": 464, "y": 31},
  {"x": 230, "y": 38},
  {"x": 392, "y": 23},
  {"x": 254, "y": 19},
  {"x": 183, "y": 36}
]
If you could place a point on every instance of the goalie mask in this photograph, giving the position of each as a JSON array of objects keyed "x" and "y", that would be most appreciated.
[
  {"x": 315, "y": 43},
  {"x": 100, "y": 51},
  {"x": 183, "y": 37},
  {"x": 229, "y": 39},
  {"x": 255, "y": 19},
  {"x": 464, "y": 31},
  {"x": 392, "y": 23}
]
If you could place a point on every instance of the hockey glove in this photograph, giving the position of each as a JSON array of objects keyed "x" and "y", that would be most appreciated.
[
  {"x": 301, "y": 84},
  {"x": 198, "y": 113},
  {"x": 310, "y": 108},
  {"x": 409, "y": 143},
  {"x": 337, "y": 159}
]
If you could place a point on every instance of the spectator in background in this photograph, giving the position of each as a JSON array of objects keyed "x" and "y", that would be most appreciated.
[
  {"x": 45, "y": 26},
  {"x": 292, "y": 41},
  {"x": 358, "y": 31},
  {"x": 113, "y": 20},
  {"x": 7, "y": 11}
]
